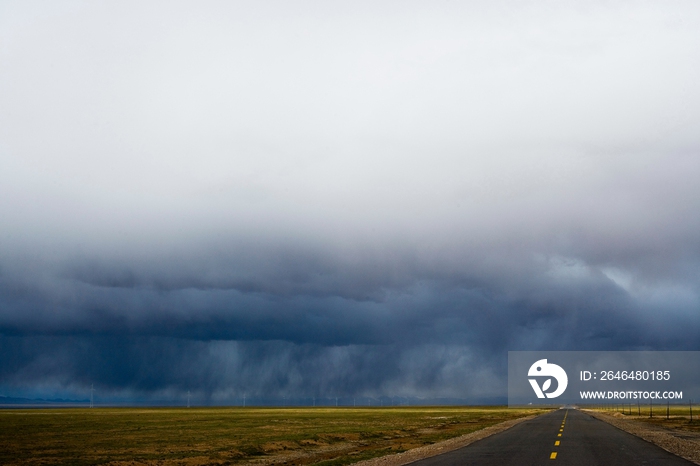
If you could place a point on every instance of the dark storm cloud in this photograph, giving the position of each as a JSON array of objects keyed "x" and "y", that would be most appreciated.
[
  {"x": 424, "y": 337},
  {"x": 328, "y": 201},
  {"x": 228, "y": 370}
]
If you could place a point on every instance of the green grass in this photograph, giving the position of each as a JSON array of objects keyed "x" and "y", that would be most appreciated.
[{"x": 327, "y": 436}]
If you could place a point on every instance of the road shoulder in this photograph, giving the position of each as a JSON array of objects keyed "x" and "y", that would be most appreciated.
[
  {"x": 681, "y": 444},
  {"x": 415, "y": 454}
]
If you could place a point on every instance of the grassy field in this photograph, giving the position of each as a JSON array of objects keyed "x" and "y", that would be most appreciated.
[
  {"x": 678, "y": 415},
  {"x": 328, "y": 436}
]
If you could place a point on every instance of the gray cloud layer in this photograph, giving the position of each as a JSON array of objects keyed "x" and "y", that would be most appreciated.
[{"x": 327, "y": 200}]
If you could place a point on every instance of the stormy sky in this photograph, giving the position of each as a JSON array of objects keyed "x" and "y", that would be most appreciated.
[{"x": 312, "y": 198}]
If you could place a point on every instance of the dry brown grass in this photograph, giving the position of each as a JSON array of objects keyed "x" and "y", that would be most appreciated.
[{"x": 678, "y": 416}]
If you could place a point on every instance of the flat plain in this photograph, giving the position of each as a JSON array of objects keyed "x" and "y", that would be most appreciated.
[
  {"x": 263, "y": 436},
  {"x": 678, "y": 418}
]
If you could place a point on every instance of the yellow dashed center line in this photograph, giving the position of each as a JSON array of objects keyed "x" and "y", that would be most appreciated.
[{"x": 553, "y": 455}]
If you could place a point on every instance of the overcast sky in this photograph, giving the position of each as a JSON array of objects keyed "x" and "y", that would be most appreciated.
[{"x": 341, "y": 198}]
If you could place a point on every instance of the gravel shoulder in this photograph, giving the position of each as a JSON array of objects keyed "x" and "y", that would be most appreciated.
[
  {"x": 681, "y": 443},
  {"x": 439, "y": 448}
]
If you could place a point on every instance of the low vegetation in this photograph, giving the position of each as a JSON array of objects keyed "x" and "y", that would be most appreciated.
[
  {"x": 674, "y": 417},
  {"x": 291, "y": 436}
]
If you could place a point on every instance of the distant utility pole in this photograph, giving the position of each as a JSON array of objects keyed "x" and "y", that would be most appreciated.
[
  {"x": 244, "y": 400},
  {"x": 188, "y": 398},
  {"x": 336, "y": 401},
  {"x": 314, "y": 402},
  {"x": 92, "y": 395}
]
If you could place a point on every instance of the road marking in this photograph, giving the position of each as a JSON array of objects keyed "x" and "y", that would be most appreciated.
[{"x": 553, "y": 456}]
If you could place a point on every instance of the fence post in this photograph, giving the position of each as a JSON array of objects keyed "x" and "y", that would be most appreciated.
[{"x": 651, "y": 412}]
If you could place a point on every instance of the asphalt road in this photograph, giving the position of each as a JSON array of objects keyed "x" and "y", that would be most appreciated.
[{"x": 562, "y": 437}]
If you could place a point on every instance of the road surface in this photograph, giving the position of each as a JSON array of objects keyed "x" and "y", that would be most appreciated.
[{"x": 563, "y": 437}]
